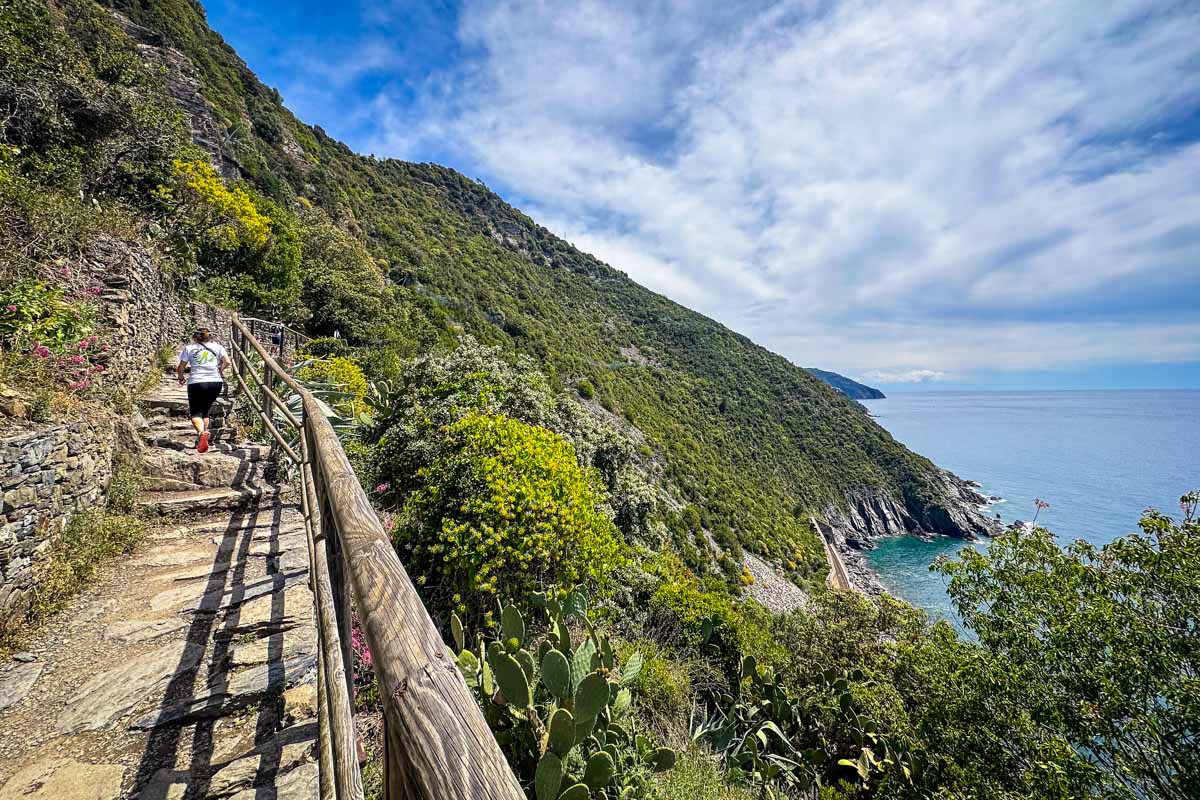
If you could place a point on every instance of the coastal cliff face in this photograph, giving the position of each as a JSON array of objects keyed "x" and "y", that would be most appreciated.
[
  {"x": 872, "y": 515},
  {"x": 867, "y": 516}
]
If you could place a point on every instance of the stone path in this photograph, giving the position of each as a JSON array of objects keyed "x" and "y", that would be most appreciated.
[{"x": 188, "y": 669}]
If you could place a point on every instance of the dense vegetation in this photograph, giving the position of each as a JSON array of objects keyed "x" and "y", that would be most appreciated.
[{"x": 528, "y": 418}]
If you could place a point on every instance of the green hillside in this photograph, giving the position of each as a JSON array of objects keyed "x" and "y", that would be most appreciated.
[
  {"x": 754, "y": 441},
  {"x": 537, "y": 421}
]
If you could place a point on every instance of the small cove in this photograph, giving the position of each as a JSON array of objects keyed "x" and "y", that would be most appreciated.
[{"x": 1098, "y": 457}]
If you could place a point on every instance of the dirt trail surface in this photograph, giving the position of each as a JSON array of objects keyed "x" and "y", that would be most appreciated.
[{"x": 187, "y": 670}]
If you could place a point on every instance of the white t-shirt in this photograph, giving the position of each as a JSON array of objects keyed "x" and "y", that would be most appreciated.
[{"x": 203, "y": 359}]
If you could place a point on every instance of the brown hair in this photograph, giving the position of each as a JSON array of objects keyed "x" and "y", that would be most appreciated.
[{"x": 201, "y": 335}]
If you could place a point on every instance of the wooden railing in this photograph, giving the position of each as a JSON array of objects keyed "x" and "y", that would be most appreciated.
[
  {"x": 291, "y": 341},
  {"x": 436, "y": 741}
]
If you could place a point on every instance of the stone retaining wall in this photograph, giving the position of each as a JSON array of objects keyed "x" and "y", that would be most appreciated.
[
  {"x": 141, "y": 310},
  {"x": 48, "y": 471},
  {"x": 46, "y": 474}
]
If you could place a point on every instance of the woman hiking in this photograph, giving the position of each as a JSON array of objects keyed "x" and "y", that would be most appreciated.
[{"x": 205, "y": 361}]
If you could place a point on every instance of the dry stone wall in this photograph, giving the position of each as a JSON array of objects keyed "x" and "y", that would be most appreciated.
[
  {"x": 141, "y": 310},
  {"x": 47, "y": 473}
]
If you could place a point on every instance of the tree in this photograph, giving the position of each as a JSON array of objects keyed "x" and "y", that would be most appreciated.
[{"x": 1103, "y": 642}]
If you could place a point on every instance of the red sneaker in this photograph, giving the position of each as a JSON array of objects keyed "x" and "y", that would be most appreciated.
[{"x": 202, "y": 443}]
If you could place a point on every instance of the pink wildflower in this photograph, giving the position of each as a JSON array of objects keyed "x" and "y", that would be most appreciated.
[
  {"x": 11, "y": 307},
  {"x": 383, "y": 487},
  {"x": 358, "y": 643},
  {"x": 76, "y": 359}
]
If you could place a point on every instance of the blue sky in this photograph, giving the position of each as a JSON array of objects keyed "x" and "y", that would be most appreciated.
[{"x": 921, "y": 196}]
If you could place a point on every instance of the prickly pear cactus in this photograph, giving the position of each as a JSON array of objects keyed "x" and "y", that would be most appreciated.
[{"x": 560, "y": 709}]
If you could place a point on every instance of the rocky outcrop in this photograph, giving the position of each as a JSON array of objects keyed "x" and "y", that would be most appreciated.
[
  {"x": 866, "y": 517},
  {"x": 954, "y": 511}
]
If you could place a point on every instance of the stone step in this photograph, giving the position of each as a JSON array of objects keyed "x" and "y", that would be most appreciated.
[
  {"x": 198, "y": 501},
  {"x": 211, "y": 469},
  {"x": 172, "y": 399}
]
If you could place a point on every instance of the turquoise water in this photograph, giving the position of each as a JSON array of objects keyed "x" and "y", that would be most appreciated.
[{"x": 1098, "y": 457}]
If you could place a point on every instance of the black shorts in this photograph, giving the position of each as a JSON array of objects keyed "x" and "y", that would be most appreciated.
[{"x": 201, "y": 397}]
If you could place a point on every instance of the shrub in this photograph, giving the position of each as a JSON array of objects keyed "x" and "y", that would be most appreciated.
[
  {"x": 698, "y": 776},
  {"x": 586, "y": 390},
  {"x": 342, "y": 373},
  {"x": 327, "y": 346},
  {"x": 34, "y": 312},
  {"x": 125, "y": 485},
  {"x": 503, "y": 510},
  {"x": 663, "y": 687}
]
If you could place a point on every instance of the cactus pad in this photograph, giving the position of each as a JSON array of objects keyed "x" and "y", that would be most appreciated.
[
  {"x": 599, "y": 771},
  {"x": 512, "y": 624},
  {"x": 562, "y": 732},
  {"x": 577, "y": 792},
  {"x": 456, "y": 630},
  {"x": 592, "y": 695},
  {"x": 548, "y": 777},
  {"x": 556, "y": 674},
  {"x": 511, "y": 679}
]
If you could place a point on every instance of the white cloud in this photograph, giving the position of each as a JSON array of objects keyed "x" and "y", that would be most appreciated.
[
  {"x": 905, "y": 376},
  {"x": 903, "y": 187}
]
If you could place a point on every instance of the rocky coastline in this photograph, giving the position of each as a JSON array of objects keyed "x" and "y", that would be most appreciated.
[{"x": 867, "y": 517}]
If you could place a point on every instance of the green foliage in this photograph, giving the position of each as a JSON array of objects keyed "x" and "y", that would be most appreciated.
[
  {"x": 125, "y": 485},
  {"x": 1099, "y": 643},
  {"x": 663, "y": 685},
  {"x": 341, "y": 374},
  {"x": 566, "y": 730},
  {"x": 77, "y": 552},
  {"x": 322, "y": 346},
  {"x": 437, "y": 390},
  {"x": 226, "y": 218},
  {"x": 343, "y": 286},
  {"x": 33, "y": 312},
  {"x": 698, "y": 776},
  {"x": 586, "y": 390},
  {"x": 503, "y": 509},
  {"x": 816, "y": 736}
]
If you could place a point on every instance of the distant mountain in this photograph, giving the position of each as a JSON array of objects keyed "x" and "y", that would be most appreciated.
[{"x": 852, "y": 389}]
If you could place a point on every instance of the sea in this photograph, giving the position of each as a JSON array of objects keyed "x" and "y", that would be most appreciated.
[{"x": 1099, "y": 458}]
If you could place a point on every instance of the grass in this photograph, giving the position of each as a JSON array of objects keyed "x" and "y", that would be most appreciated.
[
  {"x": 696, "y": 776},
  {"x": 90, "y": 538}
]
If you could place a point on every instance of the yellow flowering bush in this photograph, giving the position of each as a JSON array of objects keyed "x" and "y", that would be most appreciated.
[
  {"x": 340, "y": 372},
  {"x": 234, "y": 217},
  {"x": 504, "y": 510}
]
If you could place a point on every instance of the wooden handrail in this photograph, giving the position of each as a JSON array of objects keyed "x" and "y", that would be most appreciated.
[{"x": 437, "y": 743}]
